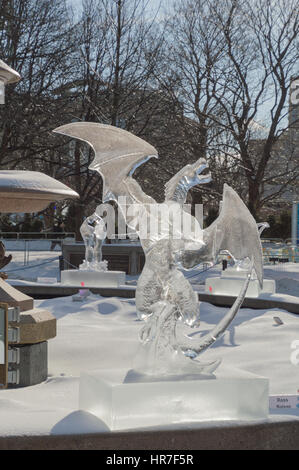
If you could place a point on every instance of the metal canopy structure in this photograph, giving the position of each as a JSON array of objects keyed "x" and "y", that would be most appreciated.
[{"x": 7, "y": 74}]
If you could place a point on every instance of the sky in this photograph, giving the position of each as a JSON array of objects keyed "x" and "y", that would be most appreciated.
[
  {"x": 262, "y": 117},
  {"x": 152, "y": 4}
]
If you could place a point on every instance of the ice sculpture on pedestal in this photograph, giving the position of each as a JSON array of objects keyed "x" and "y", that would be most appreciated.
[
  {"x": 93, "y": 232},
  {"x": 164, "y": 297},
  {"x": 93, "y": 272},
  {"x": 232, "y": 278}
]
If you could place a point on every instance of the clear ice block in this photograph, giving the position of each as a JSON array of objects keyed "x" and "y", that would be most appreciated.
[
  {"x": 82, "y": 278},
  {"x": 229, "y": 394},
  {"x": 230, "y": 283}
]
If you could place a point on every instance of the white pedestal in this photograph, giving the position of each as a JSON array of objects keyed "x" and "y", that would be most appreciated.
[
  {"x": 231, "y": 281},
  {"x": 80, "y": 278},
  {"x": 230, "y": 394}
]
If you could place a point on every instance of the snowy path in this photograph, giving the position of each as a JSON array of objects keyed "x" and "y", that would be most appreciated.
[{"x": 102, "y": 332}]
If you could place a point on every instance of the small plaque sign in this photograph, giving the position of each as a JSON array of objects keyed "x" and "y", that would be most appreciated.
[{"x": 280, "y": 402}]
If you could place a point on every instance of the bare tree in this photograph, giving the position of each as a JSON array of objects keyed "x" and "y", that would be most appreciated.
[
  {"x": 117, "y": 52},
  {"x": 194, "y": 53},
  {"x": 261, "y": 52},
  {"x": 229, "y": 66},
  {"x": 36, "y": 41}
]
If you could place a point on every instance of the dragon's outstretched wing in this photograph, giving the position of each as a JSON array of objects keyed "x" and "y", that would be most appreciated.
[
  {"x": 234, "y": 230},
  {"x": 117, "y": 152}
]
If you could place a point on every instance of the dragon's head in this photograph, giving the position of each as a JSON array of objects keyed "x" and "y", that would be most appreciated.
[{"x": 189, "y": 176}]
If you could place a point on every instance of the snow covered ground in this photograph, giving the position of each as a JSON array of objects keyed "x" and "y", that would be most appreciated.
[
  {"x": 41, "y": 262},
  {"x": 103, "y": 333}
]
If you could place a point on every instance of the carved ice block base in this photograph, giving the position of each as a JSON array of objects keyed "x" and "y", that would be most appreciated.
[
  {"x": 231, "y": 281},
  {"x": 230, "y": 394},
  {"x": 78, "y": 278}
]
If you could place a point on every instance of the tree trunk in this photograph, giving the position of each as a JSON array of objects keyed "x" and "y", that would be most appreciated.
[
  {"x": 115, "y": 101},
  {"x": 253, "y": 198}
]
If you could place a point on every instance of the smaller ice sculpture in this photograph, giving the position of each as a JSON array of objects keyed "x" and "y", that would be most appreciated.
[
  {"x": 93, "y": 231},
  {"x": 93, "y": 272},
  {"x": 231, "y": 279}
]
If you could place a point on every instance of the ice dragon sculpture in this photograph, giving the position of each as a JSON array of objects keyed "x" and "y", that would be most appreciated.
[{"x": 164, "y": 297}]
